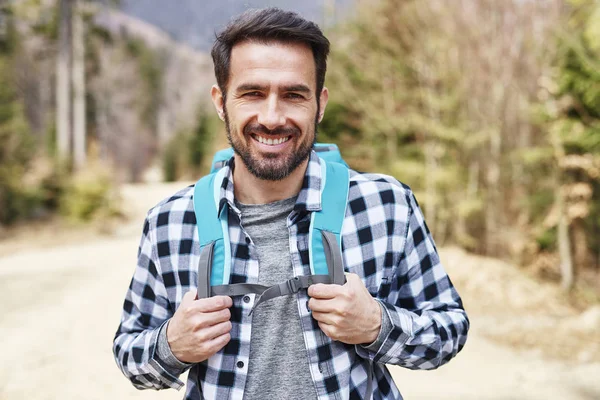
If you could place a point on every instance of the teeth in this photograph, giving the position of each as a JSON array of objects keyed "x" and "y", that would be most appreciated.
[{"x": 270, "y": 141}]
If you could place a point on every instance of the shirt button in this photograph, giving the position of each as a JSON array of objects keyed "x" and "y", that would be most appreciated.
[
  {"x": 246, "y": 299},
  {"x": 240, "y": 364}
]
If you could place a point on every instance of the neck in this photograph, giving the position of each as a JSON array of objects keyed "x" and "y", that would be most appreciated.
[{"x": 249, "y": 189}]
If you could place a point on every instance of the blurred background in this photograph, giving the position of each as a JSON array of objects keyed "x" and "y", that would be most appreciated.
[{"x": 489, "y": 110}]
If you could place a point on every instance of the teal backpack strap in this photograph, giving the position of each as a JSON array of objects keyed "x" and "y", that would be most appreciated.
[
  {"x": 220, "y": 159},
  {"x": 214, "y": 266},
  {"x": 325, "y": 244},
  {"x": 329, "y": 152},
  {"x": 326, "y": 263}
]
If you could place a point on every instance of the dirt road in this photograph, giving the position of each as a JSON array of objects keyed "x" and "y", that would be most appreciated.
[{"x": 60, "y": 304}]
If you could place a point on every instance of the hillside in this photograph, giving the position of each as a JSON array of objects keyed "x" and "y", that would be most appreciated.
[{"x": 195, "y": 22}]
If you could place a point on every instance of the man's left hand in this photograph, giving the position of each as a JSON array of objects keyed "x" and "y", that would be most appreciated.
[{"x": 346, "y": 313}]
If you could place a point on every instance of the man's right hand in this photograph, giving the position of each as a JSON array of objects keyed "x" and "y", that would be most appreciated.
[{"x": 199, "y": 328}]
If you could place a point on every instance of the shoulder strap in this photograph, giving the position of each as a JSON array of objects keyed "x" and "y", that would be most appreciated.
[
  {"x": 325, "y": 253},
  {"x": 325, "y": 245},
  {"x": 215, "y": 257}
]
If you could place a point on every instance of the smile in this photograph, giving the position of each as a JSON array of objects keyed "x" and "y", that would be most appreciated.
[{"x": 269, "y": 141}]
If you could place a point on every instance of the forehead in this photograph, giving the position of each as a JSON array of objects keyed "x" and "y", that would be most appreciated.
[{"x": 272, "y": 63}]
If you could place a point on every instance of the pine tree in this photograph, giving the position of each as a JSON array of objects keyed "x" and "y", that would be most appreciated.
[{"x": 17, "y": 148}]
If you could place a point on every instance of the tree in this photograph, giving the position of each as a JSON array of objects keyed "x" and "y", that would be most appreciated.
[
  {"x": 70, "y": 83},
  {"x": 17, "y": 150}
]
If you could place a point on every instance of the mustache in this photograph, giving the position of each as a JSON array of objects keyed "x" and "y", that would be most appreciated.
[{"x": 282, "y": 130}]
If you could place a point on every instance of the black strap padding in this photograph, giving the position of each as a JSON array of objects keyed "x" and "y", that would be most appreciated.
[
  {"x": 238, "y": 289},
  {"x": 204, "y": 268},
  {"x": 291, "y": 286},
  {"x": 333, "y": 257}
]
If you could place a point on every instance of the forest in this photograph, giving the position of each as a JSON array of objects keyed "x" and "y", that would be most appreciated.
[{"x": 489, "y": 110}]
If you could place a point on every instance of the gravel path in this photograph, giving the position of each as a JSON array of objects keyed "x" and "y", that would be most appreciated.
[{"x": 60, "y": 306}]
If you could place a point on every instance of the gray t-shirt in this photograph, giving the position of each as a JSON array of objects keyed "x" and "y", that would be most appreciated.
[{"x": 278, "y": 359}]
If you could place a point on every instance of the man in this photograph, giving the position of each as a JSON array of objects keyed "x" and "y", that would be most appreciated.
[{"x": 398, "y": 306}]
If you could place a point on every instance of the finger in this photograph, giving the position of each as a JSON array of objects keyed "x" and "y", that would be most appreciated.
[
  {"x": 212, "y": 304},
  {"x": 324, "y": 318},
  {"x": 321, "y": 305},
  {"x": 322, "y": 291},
  {"x": 216, "y": 344},
  {"x": 327, "y": 329},
  {"x": 214, "y": 331},
  {"x": 204, "y": 320}
]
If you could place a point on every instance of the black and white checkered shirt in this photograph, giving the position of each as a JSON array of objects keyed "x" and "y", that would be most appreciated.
[{"x": 385, "y": 241}]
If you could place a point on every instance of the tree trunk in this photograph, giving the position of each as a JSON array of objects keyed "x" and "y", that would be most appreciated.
[
  {"x": 63, "y": 83},
  {"x": 79, "y": 120},
  {"x": 564, "y": 242},
  {"x": 580, "y": 245}
]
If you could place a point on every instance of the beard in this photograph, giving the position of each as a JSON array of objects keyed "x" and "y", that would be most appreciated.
[{"x": 270, "y": 167}]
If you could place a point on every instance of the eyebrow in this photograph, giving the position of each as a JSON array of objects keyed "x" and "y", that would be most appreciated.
[
  {"x": 245, "y": 87},
  {"x": 297, "y": 88}
]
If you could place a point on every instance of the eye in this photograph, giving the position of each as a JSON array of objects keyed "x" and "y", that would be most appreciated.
[
  {"x": 294, "y": 96},
  {"x": 252, "y": 94}
]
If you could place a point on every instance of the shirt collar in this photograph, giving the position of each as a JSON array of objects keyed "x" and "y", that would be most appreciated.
[{"x": 309, "y": 197}]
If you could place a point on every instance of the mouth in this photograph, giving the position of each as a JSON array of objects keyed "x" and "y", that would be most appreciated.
[{"x": 269, "y": 141}]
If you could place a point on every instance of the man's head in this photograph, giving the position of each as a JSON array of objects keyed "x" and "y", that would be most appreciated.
[{"x": 270, "y": 68}]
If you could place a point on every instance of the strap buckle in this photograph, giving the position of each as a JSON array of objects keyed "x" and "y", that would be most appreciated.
[{"x": 294, "y": 285}]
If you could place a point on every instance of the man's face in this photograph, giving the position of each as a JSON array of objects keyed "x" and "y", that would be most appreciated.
[{"x": 271, "y": 108}]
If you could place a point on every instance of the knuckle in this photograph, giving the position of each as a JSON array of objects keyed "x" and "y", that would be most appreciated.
[
  {"x": 344, "y": 311},
  {"x": 201, "y": 323}
]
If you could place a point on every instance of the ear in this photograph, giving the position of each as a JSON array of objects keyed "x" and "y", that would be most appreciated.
[
  {"x": 217, "y": 99},
  {"x": 323, "y": 98}
]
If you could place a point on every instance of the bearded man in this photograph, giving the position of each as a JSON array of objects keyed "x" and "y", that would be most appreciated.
[{"x": 328, "y": 341}]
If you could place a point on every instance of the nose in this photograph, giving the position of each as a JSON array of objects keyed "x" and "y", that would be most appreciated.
[{"x": 271, "y": 115}]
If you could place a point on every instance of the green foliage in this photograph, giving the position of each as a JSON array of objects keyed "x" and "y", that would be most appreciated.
[
  {"x": 421, "y": 91},
  {"x": 172, "y": 164},
  {"x": 339, "y": 121},
  {"x": 151, "y": 71},
  {"x": 546, "y": 241},
  {"x": 90, "y": 195},
  {"x": 17, "y": 200},
  {"x": 571, "y": 117},
  {"x": 188, "y": 154},
  {"x": 200, "y": 142}
]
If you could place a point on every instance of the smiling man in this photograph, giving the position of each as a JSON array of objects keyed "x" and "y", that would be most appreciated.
[{"x": 325, "y": 341}]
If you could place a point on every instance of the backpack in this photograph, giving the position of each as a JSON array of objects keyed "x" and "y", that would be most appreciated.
[
  {"x": 325, "y": 252},
  {"x": 325, "y": 243}
]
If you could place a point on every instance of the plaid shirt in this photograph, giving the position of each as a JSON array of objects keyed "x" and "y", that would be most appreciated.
[{"x": 385, "y": 241}]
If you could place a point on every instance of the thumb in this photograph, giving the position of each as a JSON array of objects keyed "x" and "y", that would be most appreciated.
[
  {"x": 189, "y": 297},
  {"x": 351, "y": 277}
]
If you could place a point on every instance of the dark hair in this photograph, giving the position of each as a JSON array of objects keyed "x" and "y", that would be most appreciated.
[{"x": 269, "y": 25}]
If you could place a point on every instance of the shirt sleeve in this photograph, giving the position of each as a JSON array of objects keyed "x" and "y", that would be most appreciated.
[
  {"x": 166, "y": 357},
  {"x": 428, "y": 322},
  {"x": 145, "y": 310},
  {"x": 384, "y": 331}
]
